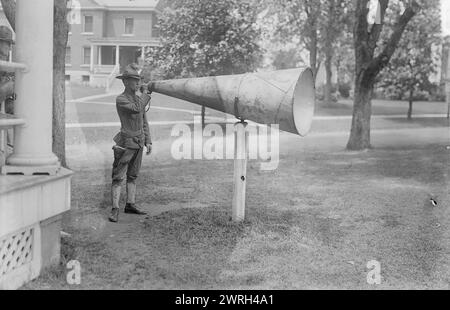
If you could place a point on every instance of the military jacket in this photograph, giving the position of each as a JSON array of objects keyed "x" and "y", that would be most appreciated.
[{"x": 134, "y": 132}]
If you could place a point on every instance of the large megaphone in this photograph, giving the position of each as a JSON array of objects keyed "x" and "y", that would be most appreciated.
[{"x": 284, "y": 97}]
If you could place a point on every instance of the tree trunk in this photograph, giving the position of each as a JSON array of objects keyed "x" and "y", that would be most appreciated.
[
  {"x": 328, "y": 69},
  {"x": 448, "y": 101},
  {"x": 362, "y": 110},
  {"x": 410, "y": 109},
  {"x": 313, "y": 52},
  {"x": 60, "y": 38}
]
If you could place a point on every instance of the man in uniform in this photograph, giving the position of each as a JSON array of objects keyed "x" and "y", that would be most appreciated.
[{"x": 134, "y": 135}]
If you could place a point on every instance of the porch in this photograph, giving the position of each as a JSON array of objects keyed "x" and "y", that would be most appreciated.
[
  {"x": 110, "y": 56},
  {"x": 34, "y": 188}
]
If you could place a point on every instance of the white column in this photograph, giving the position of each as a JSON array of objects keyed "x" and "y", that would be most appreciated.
[
  {"x": 143, "y": 54},
  {"x": 240, "y": 171},
  {"x": 92, "y": 58},
  {"x": 117, "y": 55},
  {"x": 34, "y": 47},
  {"x": 99, "y": 55}
]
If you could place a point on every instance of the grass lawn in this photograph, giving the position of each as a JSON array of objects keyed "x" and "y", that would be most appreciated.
[
  {"x": 384, "y": 107},
  {"x": 77, "y": 91},
  {"x": 314, "y": 223}
]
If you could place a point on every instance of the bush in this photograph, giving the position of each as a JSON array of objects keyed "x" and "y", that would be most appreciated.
[
  {"x": 434, "y": 92},
  {"x": 344, "y": 90},
  {"x": 320, "y": 94}
]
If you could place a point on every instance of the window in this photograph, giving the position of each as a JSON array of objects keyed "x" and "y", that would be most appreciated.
[
  {"x": 67, "y": 78},
  {"x": 86, "y": 55},
  {"x": 129, "y": 26},
  {"x": 85, "y": 78},
  {"x": 68, "y": 56},
  {"x": 88, "y": 24},
  {"x": 155, "y": 28}
]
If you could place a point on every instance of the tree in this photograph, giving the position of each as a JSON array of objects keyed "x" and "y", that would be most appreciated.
[
  {"x": 299, "y": 20},
  {"x": 61, "y": 34},
  {"x": 318, "y": 25},
  {"x": 368, "y": 66},
  {"x": 415, "y": 58},
  {"x": 60, "y": 38},
  {"x": 207, "y": 38},
  {"x": 334, "y": 23}
]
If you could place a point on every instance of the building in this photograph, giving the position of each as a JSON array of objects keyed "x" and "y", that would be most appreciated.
[{"x": 106, "y": 35}]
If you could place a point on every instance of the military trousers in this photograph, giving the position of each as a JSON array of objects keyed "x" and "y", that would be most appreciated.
[{"x": 127, "y": 162}]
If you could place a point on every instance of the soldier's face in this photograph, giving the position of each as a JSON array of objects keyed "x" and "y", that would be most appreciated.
[{"x": 131, "y": 84}]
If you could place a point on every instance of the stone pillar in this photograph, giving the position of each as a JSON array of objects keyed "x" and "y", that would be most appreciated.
[{"x": 34, "y": 88}]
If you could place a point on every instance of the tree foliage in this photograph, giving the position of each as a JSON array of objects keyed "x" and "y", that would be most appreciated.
[
  {"x": 318, "y": 26},
  {"x": 205, "y": 38},
  {"x": 415, "y": 59}
]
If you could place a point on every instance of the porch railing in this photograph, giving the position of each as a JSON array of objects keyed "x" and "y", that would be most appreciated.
[
  {"x": 111, "y": 78},
  {"x": 8, "y": 121}
]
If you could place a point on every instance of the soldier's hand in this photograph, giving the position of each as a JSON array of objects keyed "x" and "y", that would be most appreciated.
[
  {"x": 149, "y": 148},
  {"x": 143, "y": 89},
  {"x": 150, "y": 87}
]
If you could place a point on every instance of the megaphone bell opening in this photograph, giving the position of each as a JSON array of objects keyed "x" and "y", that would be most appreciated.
[{"x": 303, "y": 102}]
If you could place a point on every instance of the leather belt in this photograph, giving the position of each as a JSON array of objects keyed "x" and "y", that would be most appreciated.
[{"x": 130, "y": 134}]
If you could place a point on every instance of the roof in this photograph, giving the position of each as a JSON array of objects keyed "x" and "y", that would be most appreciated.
[
  {"x": 85, "y": 4},
  {"x": 126, "y": 4}
]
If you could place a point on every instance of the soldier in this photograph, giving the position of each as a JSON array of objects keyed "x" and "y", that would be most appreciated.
[{"x": 134, "y": 135}]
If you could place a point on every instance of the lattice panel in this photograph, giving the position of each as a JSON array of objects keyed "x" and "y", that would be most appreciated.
[{"x": 16, "y": 251}]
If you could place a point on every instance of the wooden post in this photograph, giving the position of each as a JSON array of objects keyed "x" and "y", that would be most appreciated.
[
  {"x": 203, "y": 116},
  {"x": 240, "y": 171}
]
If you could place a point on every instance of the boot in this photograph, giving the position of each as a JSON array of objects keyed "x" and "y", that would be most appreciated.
[
  {"x": 131, "y": 200},
  {"x": 115, "y": 196},
  {"x": 132, "y": 209}
]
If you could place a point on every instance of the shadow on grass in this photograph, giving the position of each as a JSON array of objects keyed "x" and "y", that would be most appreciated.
[
  {"x": 195, "y": 246},
  {"x": 188, "y": 249}
]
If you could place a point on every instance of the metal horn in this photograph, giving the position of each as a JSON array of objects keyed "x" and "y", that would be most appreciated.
[{"x": 284, "y": 97}]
